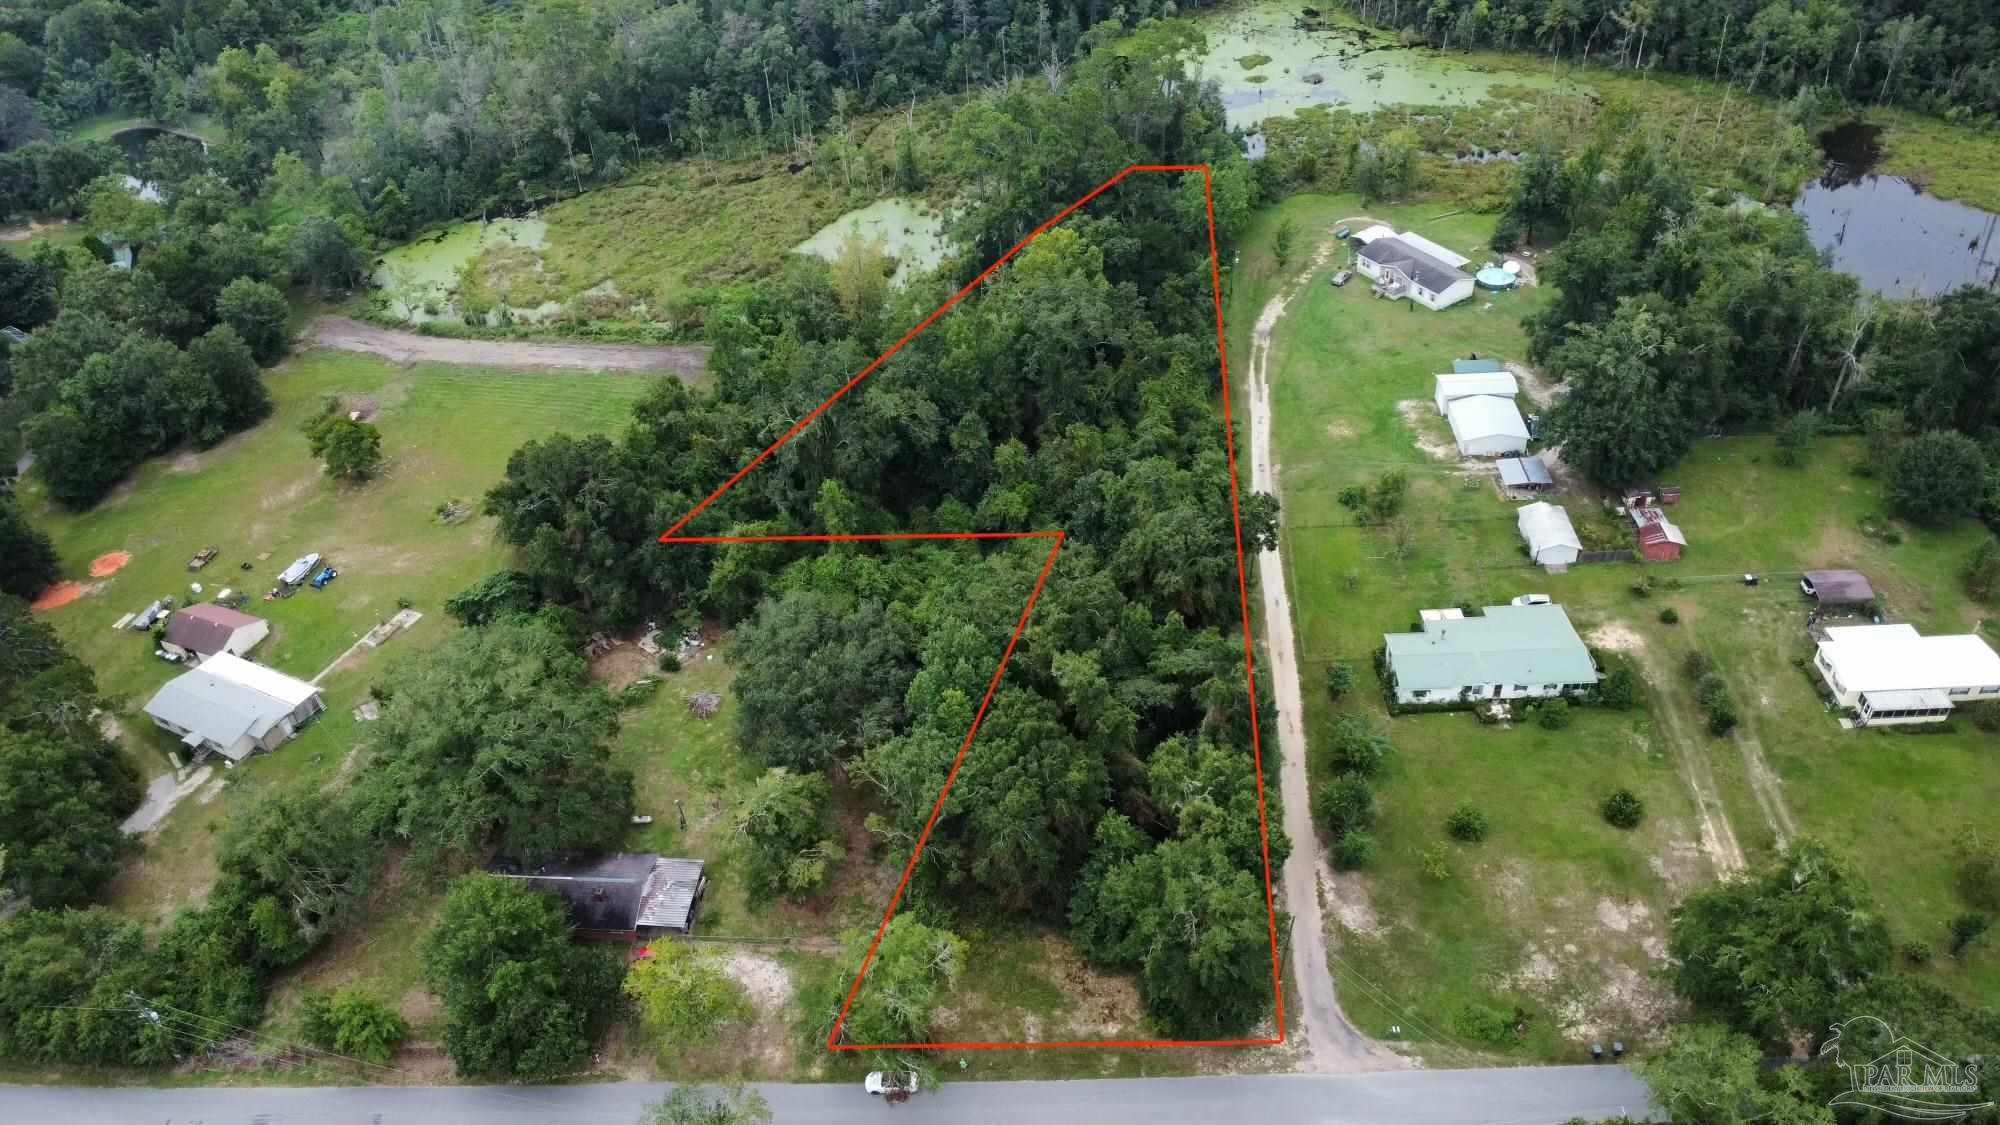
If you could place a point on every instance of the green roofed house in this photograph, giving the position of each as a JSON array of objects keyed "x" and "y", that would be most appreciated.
[{"x": 1511, "y": 652}]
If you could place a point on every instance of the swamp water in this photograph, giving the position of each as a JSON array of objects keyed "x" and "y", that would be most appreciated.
[
  {"x": 420, "y": 279},
  {"x": 1298, "y": 58},
  {"x": 910, "y": 232},
  {"x": 1897, "y": 240}
]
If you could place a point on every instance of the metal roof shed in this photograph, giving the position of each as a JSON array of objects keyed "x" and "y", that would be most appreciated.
[
  {"x": 1475, "y": 366},
  {"x": 1466, "y": 384},
  {"x": 1525, "y": 472},
  {"x": 1552, "y": 541},
  {"x": 1837, "y": 587}
]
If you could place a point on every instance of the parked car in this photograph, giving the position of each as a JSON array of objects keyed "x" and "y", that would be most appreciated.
[
  {"x": 1342, "y": 278},
  {"x": 895, "y": 1087},
  {"x": 1534, "y": 599}
]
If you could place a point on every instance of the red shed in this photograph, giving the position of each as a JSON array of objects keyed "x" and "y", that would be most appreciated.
[{"x": 1659, "y": 539}]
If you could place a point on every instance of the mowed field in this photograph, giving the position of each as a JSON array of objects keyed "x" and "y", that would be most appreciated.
[{"x": 1557, "y": 921}]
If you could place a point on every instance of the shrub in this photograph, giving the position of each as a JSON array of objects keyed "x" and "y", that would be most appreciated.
[
  {"x": 1982, "y": 570},
  {"x": 1339, "y": 681},
  {"x": 1794, "y": 435},
  {"x": 1966, "y": 929},
  {"x": 351, "y": 1022},
  {"x": 1356, "y": 747},
  {"x": 1619, "y": 690},
  {"x": 1482, "y": 1024},
  {"x": 1642, "y": 589},
  {"x": 1977, "y": 860},
  {"x": 1669, "y": 616},
  {"x": 670, "y": 661},
  {"x": 1553, "y": 714},
  {"x": 1346, "y": 806},
  {"x": 1436, "y": 863},
  {"x": 1722, "y": 718},
  {"x": 1927, "y": 477},
  {"x": 1354, "y": 851},
  {"x": 1624, "y": 809},
  {"x": 1698, "y": 665},
  {"x": 683, "y": 994},
  {"x": 1466, "y": 823},
  {"x": 1917, "y": 952}
]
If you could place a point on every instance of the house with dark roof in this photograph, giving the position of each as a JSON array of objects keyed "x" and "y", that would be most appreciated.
[
  {"x": 206, "y": 629},
  {"x": 1411, "y": 266},
  {"x": 627, "y": 896}
]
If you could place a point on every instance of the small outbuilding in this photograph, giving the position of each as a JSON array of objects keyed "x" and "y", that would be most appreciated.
[
  {"x": 1837, "y": 589},
  {"x": 1551, "y": 539},
  {"x": 628, "y": 896},
  {"x": 1660, "y": 539},
  {"x": 1486, "y": 426},
  {"x": 1528, "y": 474},
  {"x": 206, "y": 629},
  {"x": 1465, "y": 384},
  {"x": 1475, "y": 365}
]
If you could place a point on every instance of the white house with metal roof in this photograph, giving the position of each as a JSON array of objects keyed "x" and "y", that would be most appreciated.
[
  {"x": 1486, "y": 426},
  {"x": 234, "y": 708},
  {"x": 1552, "y": 541},
  {"x": 1410, "y": 265},
  {"x": 1892, "y": 674},
  {"x": 1509, "y": 652}
]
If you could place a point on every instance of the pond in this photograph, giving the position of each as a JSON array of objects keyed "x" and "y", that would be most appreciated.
[
  {"x": 420, "y": 279},
  {"x": 1886, "y": 231},
  {"x": 1273, "y": 58},
  {"x": 134, "y": 142},
  {"x": 912, "y": 233}
]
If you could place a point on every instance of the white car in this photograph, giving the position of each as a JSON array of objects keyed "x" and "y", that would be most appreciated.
[
  {"x": 879, "y": 1082},
  {"x": 1534, "y": 599}
]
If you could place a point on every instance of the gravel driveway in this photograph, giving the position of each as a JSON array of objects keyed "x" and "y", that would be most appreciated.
[{"x": 687, "y": 361}]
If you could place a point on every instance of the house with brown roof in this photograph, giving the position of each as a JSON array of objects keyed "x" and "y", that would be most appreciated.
[{"x": 203, "y": 630}]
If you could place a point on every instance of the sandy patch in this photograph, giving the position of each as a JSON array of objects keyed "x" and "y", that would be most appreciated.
[
  {"x": 1339, "y": 430},
  {"x": 1620, "y": 917},
  {"x": 162, "y": 794},
  {"x": 106, "y": 565},
  {"x": 1616, "y": 636},
  {"x": 1414, "y": 413},
  {"x": 1353, "y": 906},
  {"x": 59, "y": 595},
  {"x": 1541, "y": 390},
  {"x": 1102, "y": 1005},
  {"x": 766, "y": 979},
  {"x": 186, "y": 461}
]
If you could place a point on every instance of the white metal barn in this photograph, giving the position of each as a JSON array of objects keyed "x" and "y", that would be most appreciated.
[
  {"x": 1486, "y": 426},
  {"x": 1410, "y": 265},
  {"x": 1552, "y": 542},
  {"x": 1467, "y": 384}
]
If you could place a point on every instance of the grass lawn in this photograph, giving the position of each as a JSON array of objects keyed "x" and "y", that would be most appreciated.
[
  {"x": 1556, "y": 913},
  {"x": 447, "y": 433}
]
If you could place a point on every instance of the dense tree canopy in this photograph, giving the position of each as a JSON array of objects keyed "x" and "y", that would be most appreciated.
[
  {"x": 496, "y": 740},
  {"x": 28, "y": 562},
  {"x": 521, "y": 999}
]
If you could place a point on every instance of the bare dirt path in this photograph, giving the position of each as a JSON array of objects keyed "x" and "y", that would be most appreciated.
[
  {"x": 1334, "y": 1044},
  {"x": 687, "y": 361},
  {"x": 1718, "y": 839}
]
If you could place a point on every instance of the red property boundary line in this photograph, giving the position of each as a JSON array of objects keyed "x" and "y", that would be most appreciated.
[{"x": 1048, "y": 564}]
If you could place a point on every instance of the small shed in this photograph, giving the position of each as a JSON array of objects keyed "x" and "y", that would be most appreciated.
[
  {"x": 1837, "y": 588},
  {"x": 1476, "y": 366},
  {"x": 1486, "y": 426},
  {"x": 1527, "y": 473},
  {"x": 1660, "y": 540},
  {"x": 1551, "y": 539}
]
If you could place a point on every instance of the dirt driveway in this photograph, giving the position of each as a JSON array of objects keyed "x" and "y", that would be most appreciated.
[{"x": 687, "y": 361}]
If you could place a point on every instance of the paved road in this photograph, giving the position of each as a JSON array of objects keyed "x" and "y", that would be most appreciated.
[
  {"x": 1407, "y": 1097},
  {"x": 346, "y": 334},
  {"x": 1336, "y": 1045}
]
